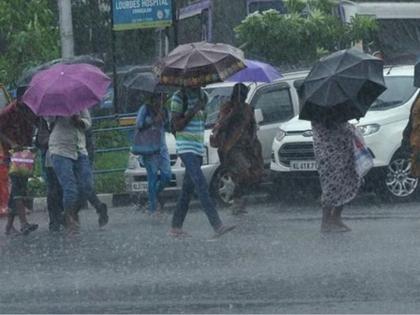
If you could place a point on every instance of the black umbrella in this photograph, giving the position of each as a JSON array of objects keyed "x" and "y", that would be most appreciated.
[
  {"x": 342, "y": 86},
  {"x": 145, "y": 82},
  {"x": 27, "y": 74}
]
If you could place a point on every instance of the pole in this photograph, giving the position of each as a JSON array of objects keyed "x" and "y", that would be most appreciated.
[
  {"x": 117, "y": 107},
  {"x": 175, "y": 22},
  {"x": 66, "y": 28}
]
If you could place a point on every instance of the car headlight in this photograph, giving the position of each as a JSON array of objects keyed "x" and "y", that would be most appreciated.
[
  {"x": 368, "y": 130},
  {"x": 280, "y": 135}
]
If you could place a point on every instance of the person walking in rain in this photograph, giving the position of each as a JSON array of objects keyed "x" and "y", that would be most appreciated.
[
  {"x": 188, "y": 119},
  {"x": 240, "y": 153},
  {"x": 54, "y": 191},
  {"x": 153, "y": 114},
  {"x": 340, "y": 182},
  {"x": 17, "y": 124},
  {"x": 410, "y": 144},
  {"x": 330, "y": 100},
  {"x": 67, "y": 146}
]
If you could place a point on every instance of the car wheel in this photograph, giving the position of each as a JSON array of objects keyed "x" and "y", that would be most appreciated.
[
  {"x": 398, "y": 184},
  {"x": 223, "y": 188}
]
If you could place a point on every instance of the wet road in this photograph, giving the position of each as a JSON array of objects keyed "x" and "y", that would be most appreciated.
[{"x": 275, "y": 261}]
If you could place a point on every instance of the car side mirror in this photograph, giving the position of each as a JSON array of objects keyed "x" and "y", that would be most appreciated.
[{"x": 259, "y": 117}]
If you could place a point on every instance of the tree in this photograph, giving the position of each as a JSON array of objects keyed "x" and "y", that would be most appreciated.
[
  {"x": 29, "y": 36},
  {"x": 309, "y": 31}
]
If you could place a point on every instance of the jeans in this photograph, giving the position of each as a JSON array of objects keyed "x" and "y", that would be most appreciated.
[
  {"x": 54, "y": 198},
  {"x": 54, "y": 193},
  {"x": 194, "y": 179},
  {"x": 156, "y": 183},
  {"x": 75, "y": 177}
]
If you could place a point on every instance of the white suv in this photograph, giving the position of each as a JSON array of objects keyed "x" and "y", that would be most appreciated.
[
  {"x": 274, "y": 102},
  {"x": 382, "y": 127}
]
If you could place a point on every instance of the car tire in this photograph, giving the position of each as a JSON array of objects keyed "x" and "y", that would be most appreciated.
[
  {"x": 222, "y": 188},
  {"x": 397, "y": 185}
]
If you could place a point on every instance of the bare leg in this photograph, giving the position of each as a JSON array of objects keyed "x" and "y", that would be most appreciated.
[
  {"x": 326, "y": 225},
  {"x": 26, "y": 228},
  {"x": 336, "y": 216},
  {"x": 71, "y": 218},
  {"x": 10, "y": 229}
]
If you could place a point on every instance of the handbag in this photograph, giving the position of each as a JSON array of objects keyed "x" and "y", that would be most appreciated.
[
  {"x": 363, "y": 157},
  {"x": 22, "y": 163},
  {"x": 147, "y": 140}
]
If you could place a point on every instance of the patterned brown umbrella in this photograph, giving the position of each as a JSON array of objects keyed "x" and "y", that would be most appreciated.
[{"x": 198, "y": 64}]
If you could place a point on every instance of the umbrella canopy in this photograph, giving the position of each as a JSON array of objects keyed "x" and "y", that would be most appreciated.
[
  {"x": 342, "y": 86},
  {"x": 145, "y": 82},
  {"x": 66, "y": 89},
  {"x": 198, "y": 64},
  {"x": 256, "y": 71},
  {"x": 28, "y": 74}
]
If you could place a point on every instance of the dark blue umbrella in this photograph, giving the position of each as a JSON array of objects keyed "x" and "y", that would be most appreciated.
[{"x": 256, "y": 71}]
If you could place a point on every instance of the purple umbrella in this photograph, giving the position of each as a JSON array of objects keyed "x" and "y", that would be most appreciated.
[
  {"x": 256, "y": 71},
  {"x": 66, "y": 89}
]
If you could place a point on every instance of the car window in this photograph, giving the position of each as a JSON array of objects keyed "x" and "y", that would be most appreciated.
[
  {"x": 399, "y": 90},
  {"x": 275, "y": 104}
]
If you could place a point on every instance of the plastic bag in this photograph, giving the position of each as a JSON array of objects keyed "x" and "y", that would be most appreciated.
[
  {"x": 22, "y": 163},
  {"x": 362, "y": 155}
]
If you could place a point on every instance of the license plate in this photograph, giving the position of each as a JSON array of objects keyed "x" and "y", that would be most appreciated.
[
  {"x": 141, "y": 186},
  {"x": 303, "y": 165}
]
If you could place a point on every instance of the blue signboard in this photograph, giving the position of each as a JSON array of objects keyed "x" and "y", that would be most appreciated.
[{"x": 132, "y": 14}]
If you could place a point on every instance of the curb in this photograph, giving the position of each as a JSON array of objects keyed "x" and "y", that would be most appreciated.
[{"x": 111, "y": 200}]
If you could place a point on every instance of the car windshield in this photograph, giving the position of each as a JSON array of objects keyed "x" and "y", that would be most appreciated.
[
  {"x": 399, "y": 90},
  {"x": 217, "y": 96}
]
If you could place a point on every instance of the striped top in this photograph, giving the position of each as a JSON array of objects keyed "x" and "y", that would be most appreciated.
[{"x": 191, "y": 139}]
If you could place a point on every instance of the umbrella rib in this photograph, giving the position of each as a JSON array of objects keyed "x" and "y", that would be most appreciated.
[
  {"x": 84, "y": 83},
  {"x": 352, "y": 65},
  {"x": 205, "y": 57}
]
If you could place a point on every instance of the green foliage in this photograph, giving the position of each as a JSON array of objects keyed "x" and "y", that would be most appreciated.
[
  {"x": 36, "y": 187},
  {"x": 302, "y": 36},
  {"x": 110, "y": 182},
  {"x": 29, "y": 36},
  {"x": 363, "y": 28}
]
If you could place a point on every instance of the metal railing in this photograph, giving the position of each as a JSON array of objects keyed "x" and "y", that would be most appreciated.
[{"x": 123, "y": 132}]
